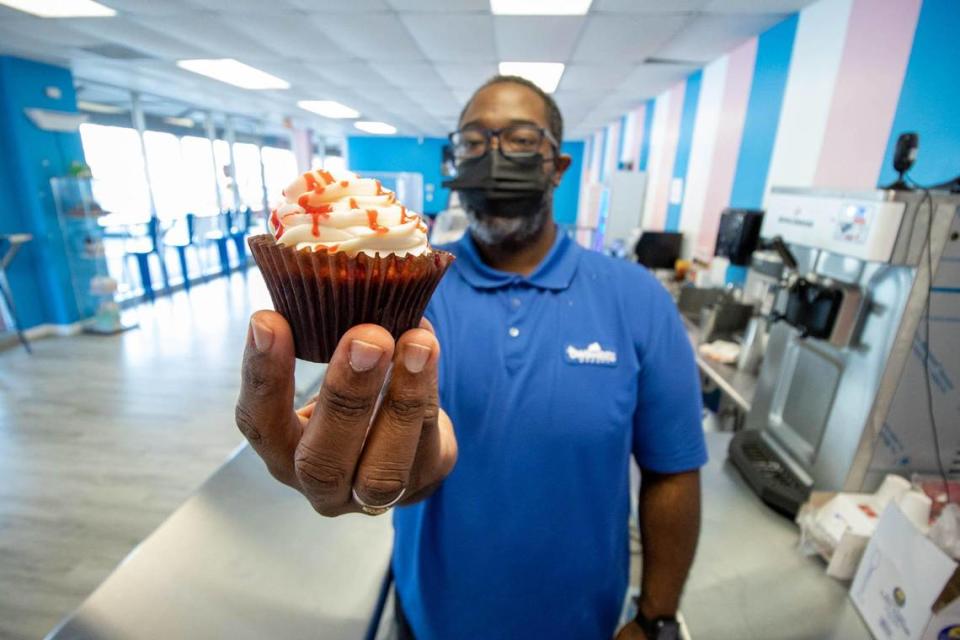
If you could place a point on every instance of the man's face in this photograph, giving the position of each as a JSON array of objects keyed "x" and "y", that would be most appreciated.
[{"x": 501, "y": 105}]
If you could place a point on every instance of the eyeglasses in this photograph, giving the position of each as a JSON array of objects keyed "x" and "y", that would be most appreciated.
[{"x": 515, "y": 141}]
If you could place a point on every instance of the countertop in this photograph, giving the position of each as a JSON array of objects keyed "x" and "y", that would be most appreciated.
[
  {"x": 248, "y": 558},
  {"x": 737, "y": 384}
]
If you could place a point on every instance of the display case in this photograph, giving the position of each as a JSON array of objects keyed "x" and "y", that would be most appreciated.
[{"x": 83, "y": 239}]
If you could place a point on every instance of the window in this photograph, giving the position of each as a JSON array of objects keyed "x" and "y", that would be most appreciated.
[
  {"x": 199, "y": 182},
  {"x": 120, "y": 184},
  {"x": 336, "y": 164},
  {"x": 246, "y": 158},
  {"x": 166, "y": 174},
  {"x": 221, "y": 151},
  {"x": 279, "y": 166}
]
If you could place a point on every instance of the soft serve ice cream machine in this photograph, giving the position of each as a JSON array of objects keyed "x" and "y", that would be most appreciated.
[{"x": 843, "y": 395}]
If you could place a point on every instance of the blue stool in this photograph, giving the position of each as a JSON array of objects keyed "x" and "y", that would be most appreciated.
[
  {"x": 181, "y": 242},
  {"x": 150, "y": 245},
  {"x": 221, "y": 237},
  {"x": 239, "y": 227}
]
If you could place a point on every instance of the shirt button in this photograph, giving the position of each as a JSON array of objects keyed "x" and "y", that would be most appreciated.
[
  {"x": 515, "y": 302},
  {"x": 514, "y": 332}
]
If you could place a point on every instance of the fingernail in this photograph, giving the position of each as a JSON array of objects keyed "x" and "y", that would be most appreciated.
[
  {"x": 364, "y": 356},
  {"x": 262, "y": 336},
  {"x": 415, "y": 357}
]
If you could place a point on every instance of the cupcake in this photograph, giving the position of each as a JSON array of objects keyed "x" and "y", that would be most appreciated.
[{"x": 341, "y": 252}]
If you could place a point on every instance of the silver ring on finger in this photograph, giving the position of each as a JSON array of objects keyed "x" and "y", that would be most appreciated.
[{"x": 372, "y": 510}]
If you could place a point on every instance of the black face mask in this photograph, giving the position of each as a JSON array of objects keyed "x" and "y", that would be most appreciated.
[{"x": 493, "y": 184}]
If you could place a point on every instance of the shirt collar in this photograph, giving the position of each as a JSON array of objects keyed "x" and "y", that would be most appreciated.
[{"x": 554, "y": 273}]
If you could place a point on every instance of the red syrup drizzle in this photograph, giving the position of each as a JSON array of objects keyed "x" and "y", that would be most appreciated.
[
  {"x": 372, "y": 217},
  {"x": 275, "y": 221}
]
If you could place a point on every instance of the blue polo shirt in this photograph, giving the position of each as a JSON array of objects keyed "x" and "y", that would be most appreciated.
[{"x": 551, "y": 381}]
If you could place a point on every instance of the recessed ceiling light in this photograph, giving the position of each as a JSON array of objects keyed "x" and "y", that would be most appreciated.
[
  {"x": 545, "y": 75},
  {"x": 61, "y": 8},
  {"x": 379, "y": 128},
  {"x": 328, "y": 108},
  {"x": 539, "y": 7},
  {"x": 180, "y": 122},
  {"x": 234, "y": 72},
  {"x": 97, "y": 107}
]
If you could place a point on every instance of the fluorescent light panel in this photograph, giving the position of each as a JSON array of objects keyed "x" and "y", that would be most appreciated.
[
  {"x": 545, "y": 75},
  {"x": 180, "y": 122},
  {"x": 378, "y": 128},
  {"x": 539, "y": 7},
  {"x": 61, "y": 8},
  {"x": 328, "y": 108},
  {"x": 234, "y": 72},
  {"x": 97, "y": 107}
]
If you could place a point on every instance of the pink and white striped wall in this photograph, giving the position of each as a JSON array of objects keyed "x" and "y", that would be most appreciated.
[{"x": 846, "y": 69}]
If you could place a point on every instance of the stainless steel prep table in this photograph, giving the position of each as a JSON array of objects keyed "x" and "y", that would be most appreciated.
[
  {"x": 248, "y": 558},
  {"x": 738, "y": 385}
]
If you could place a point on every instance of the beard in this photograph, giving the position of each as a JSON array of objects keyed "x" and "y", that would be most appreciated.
[{"x": 514, "y": 231}]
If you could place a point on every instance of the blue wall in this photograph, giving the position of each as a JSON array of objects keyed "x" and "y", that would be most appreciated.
[
  {"x": 645, "y": 143},
  {"x": 930, "y": 97},
  {"x": 423, "y": 155},
  {"x": 384, "y": 154},
  {"x": 691, "y": 98},
  {"x": 774, "y": 49},
  {"x": 567, "y": 196},
  {"x": 29, "y": 157}
]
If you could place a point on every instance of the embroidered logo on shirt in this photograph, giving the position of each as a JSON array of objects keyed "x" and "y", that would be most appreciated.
[{"x": 593, "y": 354}]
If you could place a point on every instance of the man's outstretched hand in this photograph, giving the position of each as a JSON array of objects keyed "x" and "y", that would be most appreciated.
[{"x": 324, "y": 449}]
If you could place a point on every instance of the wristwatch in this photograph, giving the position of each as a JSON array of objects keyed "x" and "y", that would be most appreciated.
[{"x": 662, "y": 628}]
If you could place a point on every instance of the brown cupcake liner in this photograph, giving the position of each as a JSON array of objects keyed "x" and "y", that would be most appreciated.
[{"x": 323, "y": 294}]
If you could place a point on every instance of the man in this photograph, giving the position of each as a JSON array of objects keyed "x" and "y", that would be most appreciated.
[{"x": 558, "y": 363}]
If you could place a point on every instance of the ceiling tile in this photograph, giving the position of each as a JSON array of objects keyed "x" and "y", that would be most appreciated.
[
  {"x": 619, "y": 39},
  {"x": 595, "y": 77},
  {"x": 350, "y": 74},
  {"x": 463, "y": 95},
  {"x": 409, "y": 74},
  {"x": 48, "y": 32},
  {"x": 710, "y": 36},
  {"x": 223, "y": 42},
  {"x": 756, "y": 6},
  {"x": 368, "y": 36},
  {"x": 289, "y": 35},
  {"x": 453, "y": 38},
  {"x": 436, "y": 101},
  {"x": 447, "y": 6},
  {"x": 339, "y": 6},
  {"x": 648, "y": 80},
  {"x": 554, "y": 40},
  {"x": 466, "y": 76},
  {"x": 125, "y": 31},
  {"x": 648, "y": 6},
  {"x": 234, "y": 6},
  {"x": 151, "y": 7}
]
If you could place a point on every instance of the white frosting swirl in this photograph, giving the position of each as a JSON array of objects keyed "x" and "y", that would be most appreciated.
[{"x": 345, "y": 213}]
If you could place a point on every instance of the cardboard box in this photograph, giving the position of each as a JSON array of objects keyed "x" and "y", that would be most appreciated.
[{"x": 906, "y": 588}]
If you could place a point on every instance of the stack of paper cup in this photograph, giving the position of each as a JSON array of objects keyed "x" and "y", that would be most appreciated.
[
  {"x": 893, "y": 488},
  {"x": 916, "y": 506}
]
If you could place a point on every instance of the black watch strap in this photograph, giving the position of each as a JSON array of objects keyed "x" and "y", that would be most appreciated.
[{"x": 662, "y": 628}]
